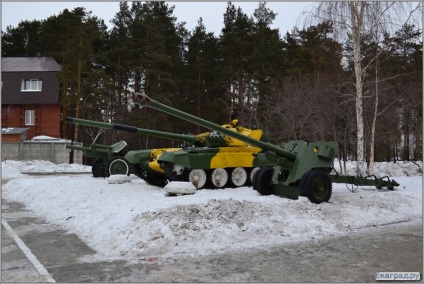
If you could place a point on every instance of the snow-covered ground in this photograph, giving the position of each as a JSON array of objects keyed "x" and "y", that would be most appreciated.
[{"x": 134, "y": 220}]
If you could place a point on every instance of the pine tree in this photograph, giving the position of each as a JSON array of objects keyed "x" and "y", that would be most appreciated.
[
  {"x": 268, "y": 61},
  {"x": 23, "y": 40}
]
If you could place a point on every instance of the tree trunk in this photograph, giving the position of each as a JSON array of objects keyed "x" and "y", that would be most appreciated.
[
  {"x": 418, "y": 135},
  {"x": 199, "y": 92},
  {"x": 241, "y": 85},
  {"x": 374, "y": 120},
  {"x": 78, "y": 96},
  {"x": 357, "y": 13},
  {"x": 119, "y": 82},
  {"x": 64, "y": 108},
  {"x": 405, "y": 132}
]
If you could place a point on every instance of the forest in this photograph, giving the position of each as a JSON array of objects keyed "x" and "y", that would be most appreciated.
[{"x": 352, "y": 76}]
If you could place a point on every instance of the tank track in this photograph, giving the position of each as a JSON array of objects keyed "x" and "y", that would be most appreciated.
[
  {"x": 169, "y": 172},
  {"x": 134, "y": 170},
  {"x": 156, "y": 180}
]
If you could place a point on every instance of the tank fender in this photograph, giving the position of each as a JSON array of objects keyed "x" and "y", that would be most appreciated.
[
  {"x": 138, "y": 156},
  {"x": 178, "y": 157}
]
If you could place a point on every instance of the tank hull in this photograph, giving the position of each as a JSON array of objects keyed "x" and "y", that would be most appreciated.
[{"x": 179, "y": 164}]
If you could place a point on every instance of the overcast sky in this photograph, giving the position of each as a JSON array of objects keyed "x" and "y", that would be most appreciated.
[{"x": 212, "y": 12}]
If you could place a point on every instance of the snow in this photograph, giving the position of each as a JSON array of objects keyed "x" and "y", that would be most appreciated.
[
  {"x": 118, "y": 179},
  {"x": 13, "y": 169},
  {"x": 48, "y": 139},
  {"x": 44, "y": 137},
  {"x": 5, "y": 130},
  {"x": 180, "y": 187},
  {"x": 135, "y": 221}
]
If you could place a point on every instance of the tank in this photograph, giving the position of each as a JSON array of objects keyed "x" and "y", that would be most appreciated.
[{"x": 216, "y": 160}]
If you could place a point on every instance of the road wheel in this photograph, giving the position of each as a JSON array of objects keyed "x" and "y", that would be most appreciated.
[
  {"x": 98, "y": 168},
  {"x": 264, "y": 183},
  {"x": 170, "y": 173},
  {"x": 238, "y": 177},
  {"x": 197, "y": 178},
  {"x": 118, "y": 166},
  {"x": 317, "y": 186},
  {"x": 219, "y": 177}
]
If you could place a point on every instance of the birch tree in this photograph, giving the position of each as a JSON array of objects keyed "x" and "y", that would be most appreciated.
[{"x": 352, "y": 20}]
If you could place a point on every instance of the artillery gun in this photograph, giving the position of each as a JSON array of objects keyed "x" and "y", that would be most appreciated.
[
  {"x": 298, "y": 168},
  {"x": 101, "y": 154}
]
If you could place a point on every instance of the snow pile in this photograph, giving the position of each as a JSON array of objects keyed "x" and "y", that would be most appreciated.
[
  {"x": 48, "y": 139},
  {"x": 134, "y": 220},
  {"x": 118, "y": 179},
  {"x": 180, "y": 187},
  {"x": 13, "y": 169},
  {"x": 43, "y": 137},
  {"x": 400, "y": 168}
]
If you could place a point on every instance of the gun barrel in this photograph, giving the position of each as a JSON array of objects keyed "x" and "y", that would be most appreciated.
[
  {"x": 131, "y": 129},
  {"x": 145, "y": 101}
]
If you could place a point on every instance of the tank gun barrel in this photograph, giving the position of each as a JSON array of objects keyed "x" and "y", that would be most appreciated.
[
  {"x": 131, "y": 129},
  {"x": 144, "y": 101}
]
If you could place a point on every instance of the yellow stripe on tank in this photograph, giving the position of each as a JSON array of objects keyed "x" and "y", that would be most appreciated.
[
  {"x": 154, "y": 165},
  {"x": 232, "y": 157}
]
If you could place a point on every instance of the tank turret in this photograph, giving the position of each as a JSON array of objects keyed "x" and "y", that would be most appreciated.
[{"x": 217, "y": 139}]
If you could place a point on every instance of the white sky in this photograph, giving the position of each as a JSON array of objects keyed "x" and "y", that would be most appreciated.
[{"x": 212, "y": 12}]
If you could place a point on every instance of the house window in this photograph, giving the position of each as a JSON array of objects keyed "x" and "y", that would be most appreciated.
[
  {"x": 29, "y": 117},
  {"x": 31, "y": 85}
]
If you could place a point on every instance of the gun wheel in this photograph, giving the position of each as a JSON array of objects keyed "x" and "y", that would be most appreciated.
[
  {"x": 238, "y": 176},
  {"x": 219, "y": 177},
  {"x": 98, "y": 168},
  {"x": 197, "y": 178},
  {"x": 302, "y": 183},
  {"x": 253, "y": 172},
  {"x": 317, "y": 186},
  {"x": 263, "y": 181},
  {"x": 255, "y": 177},
  {"x": 118, "y": 166}
]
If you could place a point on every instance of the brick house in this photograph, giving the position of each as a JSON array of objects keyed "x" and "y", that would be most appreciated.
[
  {"x": 13, "y": 134},
  {"x": 30, "y": 95}
]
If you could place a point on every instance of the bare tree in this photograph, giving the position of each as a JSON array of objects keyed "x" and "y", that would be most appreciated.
[
  {"x": 302, "y": 108},
  {"x": 352, "y": 20}
]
